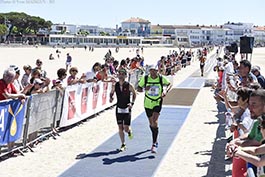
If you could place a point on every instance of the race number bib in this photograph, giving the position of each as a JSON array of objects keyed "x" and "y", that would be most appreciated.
[
  {"x": 153, "y": 91},
  {"x": 123, "y": 110}
]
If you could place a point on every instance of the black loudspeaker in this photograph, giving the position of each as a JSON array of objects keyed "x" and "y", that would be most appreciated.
[
  {"x": 232, "y": 47},
  {"x": 246, "y": 44}
]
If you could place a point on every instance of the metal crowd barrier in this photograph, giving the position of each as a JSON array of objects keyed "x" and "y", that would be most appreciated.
[{"x": 43, "y": 114}]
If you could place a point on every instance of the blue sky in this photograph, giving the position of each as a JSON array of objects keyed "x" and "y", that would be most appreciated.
[{"x": 108, "y": 13}]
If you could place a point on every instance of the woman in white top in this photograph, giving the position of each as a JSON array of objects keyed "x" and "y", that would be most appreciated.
[{"x": 241, "y": 115}]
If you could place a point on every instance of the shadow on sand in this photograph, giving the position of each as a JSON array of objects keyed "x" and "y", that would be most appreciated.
[{"x": 217, "y": 164}]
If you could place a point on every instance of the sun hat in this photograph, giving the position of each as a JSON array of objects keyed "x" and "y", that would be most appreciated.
[
  {"x": 38, "y": 81},
  {"x": 255, "y": 68}
]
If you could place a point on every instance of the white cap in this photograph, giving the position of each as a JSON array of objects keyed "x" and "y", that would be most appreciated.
[
  {"x": 255, "y": 68},
  {"x": 153, "y": 67}
]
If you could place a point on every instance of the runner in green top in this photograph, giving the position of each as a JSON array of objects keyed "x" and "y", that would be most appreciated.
[{"x": 154, "y": 93}]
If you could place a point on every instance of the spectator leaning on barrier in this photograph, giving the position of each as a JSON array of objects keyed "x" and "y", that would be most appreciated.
[
  {"x": 39, "y": 63},
  {"x": 73, "y": 79},
  {"x": 8, "y": 91},
  {"x": 244, "y": 72},
  {"x": 115, "y": 67},
  {"x": 123, "y": 65},
  {"x": 103, "y": 74},
  {"x": 256, "y": 106},
  {"x": 62, "y": 73},
  {"x": 36, "y": 74},
  {"x": 57, "y": 84},
  {"x": 261, "y": 80},
  {"x": 42, "y": 74},
  {"x": 38, "y": 87},
  {"x": 162, "y": 65},
  {"x": 91, "y": 75},
  {"x": 123, "y": 90},
  {"x": 26, "y": 76},
  {"x": 134, "y": 64},
  {"x": 241, "y": 115},
  {"x": 236, "y": 66},
  {"x": 228, "y": 70},
  {"x": 7, "y": 88},
  {"x": 154, "y": 93},
  {"x": 110, "y": 63},
  {"x": 254, "y": 155},
  {"x": 16, "y": 82}
]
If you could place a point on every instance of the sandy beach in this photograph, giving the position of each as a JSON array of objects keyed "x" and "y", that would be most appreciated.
[
  {"x": 198, "y": 149},
  {"x": 81, "y": 58}
]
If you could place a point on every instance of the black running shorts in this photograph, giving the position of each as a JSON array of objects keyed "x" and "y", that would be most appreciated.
[
  {"x": 149, "y": 112},
  {"x": 123, "y": 118}
]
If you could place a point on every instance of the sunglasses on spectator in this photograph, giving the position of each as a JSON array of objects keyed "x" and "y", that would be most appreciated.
[{"x": 74, "y": 70}]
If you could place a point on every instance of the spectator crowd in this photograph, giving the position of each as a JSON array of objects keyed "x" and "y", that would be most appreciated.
[{"x": 240, "y": 86}]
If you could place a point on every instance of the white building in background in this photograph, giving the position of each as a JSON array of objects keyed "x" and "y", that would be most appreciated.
[
  {"x": 92, "y": 30},
  {"x": 136, "y": 27},
  {"x": 213, "y": 34},
  {"x": 239, "y": 29},
  {"x": 75, "y": 29},
  {"x": 195, "y": 35},
  {"x": 109, "y": 31},
  {"x": 184, "y": 35},
  {"x": 192, "y": 35},
  {"x": 66, "y": 39},
  {"x": 259, "y": 35},
  {"x": 229, "y": 36},
  {"x": 63, "y": 29}
]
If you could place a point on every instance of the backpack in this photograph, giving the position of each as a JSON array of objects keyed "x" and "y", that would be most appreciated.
[{"x": 160, "y": 82}]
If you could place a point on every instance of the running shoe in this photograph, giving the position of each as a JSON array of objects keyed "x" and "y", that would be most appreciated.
[
  {"x": 123, "y": 147},
  {"x": 154, "y": 148},
  {"x": 130, "y": 135}
]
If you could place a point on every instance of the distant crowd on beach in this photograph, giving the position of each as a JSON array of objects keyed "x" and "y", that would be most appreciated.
[{"x": 33, "y": 79}]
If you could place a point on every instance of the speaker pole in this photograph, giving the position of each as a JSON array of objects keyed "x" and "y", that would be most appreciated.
[{"x": 250, "y": 57}]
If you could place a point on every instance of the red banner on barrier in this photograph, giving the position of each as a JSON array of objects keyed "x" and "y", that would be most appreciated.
[
  {"x": 104, "y": 94},
  {"x": 95, "y": 90},
  {"x": 84, "y": 100},
  {"x": 81, "y": 101},
  {"x": 71, "y": 105}
]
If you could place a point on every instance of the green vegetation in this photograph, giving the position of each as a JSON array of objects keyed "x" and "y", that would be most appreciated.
[
  {"x": 102, "y": 33},
  {"x": 83, "y": 32},
  {"x": 3, "y": 29},
  {"x": 22, "y": 23}
]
